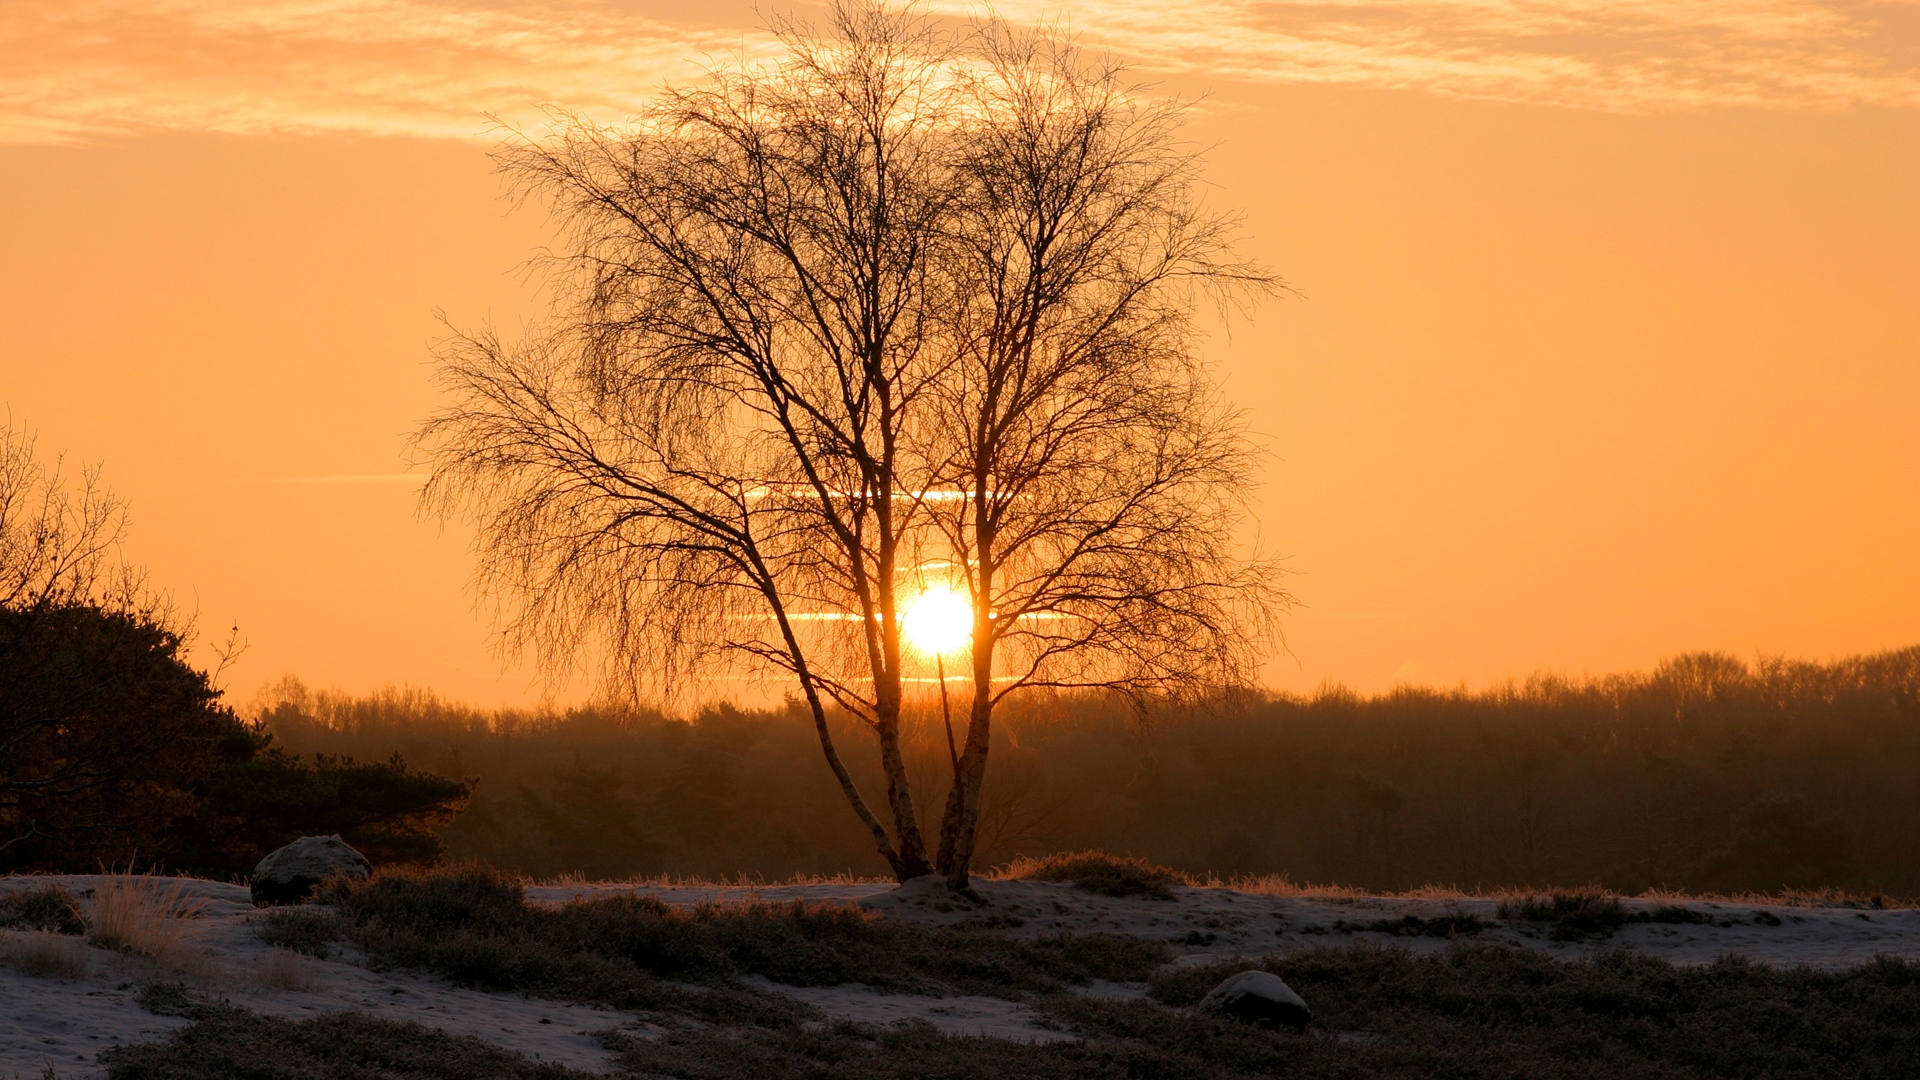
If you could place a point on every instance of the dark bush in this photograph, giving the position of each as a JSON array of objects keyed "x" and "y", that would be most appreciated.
[
  {"x": 303, "y": 930},
  {"x": 430, "y": 903},
  {"x": 1099, "y": 872},
  {"x": 117, "y": 747},
  {"x": 1442, "y": 926},
  {"x": 108, "y": 732},
  {"x": 1674, "y": 913},
  {"x": 47, "y": 907},
  {"x": 259, "y": 801},
  {"x": 1575, "y": 915}
]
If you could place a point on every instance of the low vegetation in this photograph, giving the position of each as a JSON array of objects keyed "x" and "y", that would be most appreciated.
[
  {"x": 474, "y": 926},
  {"x": 1501, "y": 1011},
  {"x": 1099, "y": 872},
  {"x": 227, "y": 1043},
  {"x": 305, "y": 930},
  {"x": 1472, "y": 1008},
  {"x": 140, "y": 914},
  {"x": 42, "y": 907},
  {"x": 1485, "y": 1011},
  {"x": 45, "y": 955},
  {"x": 1593, "y": 914},
  {"x": 1440, "y": 926}
]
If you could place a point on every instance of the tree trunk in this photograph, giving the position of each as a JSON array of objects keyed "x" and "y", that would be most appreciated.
[
  {"x": 964, "y": 802},
  {"x": 847, "y": 787},
  {"x": 959, "y": 827},
  {"x": 912, "y": 850}
]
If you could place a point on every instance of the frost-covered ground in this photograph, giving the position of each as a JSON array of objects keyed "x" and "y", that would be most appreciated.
[{"x": 67, "y": 1020}]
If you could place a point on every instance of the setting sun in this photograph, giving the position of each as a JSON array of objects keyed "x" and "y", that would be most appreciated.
[{"x": 939, "y": 621}]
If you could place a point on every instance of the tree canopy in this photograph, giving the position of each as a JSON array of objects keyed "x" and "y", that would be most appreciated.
[{"x": 910, "y": 312}]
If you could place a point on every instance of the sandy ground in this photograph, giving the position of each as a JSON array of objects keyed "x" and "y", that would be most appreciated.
[{"x": 66, "y": 1022}]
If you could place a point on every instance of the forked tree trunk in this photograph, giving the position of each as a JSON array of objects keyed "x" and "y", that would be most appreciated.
[
  {"x": 911, "y": 847},
  {"x": 848, "y": 788},
  {"x": 887, "y": 700},
  {"x": 959, "y": 825},
  {"x": 881, "y": 842}
]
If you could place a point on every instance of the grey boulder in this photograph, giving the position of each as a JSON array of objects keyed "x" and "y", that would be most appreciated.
[
  {"x": 289, "y": 874},
  {"x": 1258, "y": 997}
]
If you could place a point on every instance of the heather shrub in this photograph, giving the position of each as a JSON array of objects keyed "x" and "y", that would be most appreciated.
[
  {"x": 1099, "y": 872},
  {"x": 46, "y": 907}
]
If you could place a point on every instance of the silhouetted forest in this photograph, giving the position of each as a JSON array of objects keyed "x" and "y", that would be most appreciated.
[{"x": 1708, "y": 773}]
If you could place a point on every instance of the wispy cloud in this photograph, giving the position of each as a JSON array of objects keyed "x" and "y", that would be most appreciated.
[
  {"x": 70, "y": 69},
  {"x": 76, "y": 68},
  {"x": 349, "y": 478},
  {"x": 1613, "y": 55}
]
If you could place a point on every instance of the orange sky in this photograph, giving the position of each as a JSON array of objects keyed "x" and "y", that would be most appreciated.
[{"x": 1611, "y": 344}]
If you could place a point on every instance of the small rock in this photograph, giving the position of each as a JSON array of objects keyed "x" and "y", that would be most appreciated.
[
  {"x": 289, "y": 874},
  {"x": 1258, "y": 997}
]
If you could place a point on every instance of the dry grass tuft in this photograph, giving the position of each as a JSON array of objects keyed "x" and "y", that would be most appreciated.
[
  {"x": 1282, "y": 885},
  {"x": 1800, "y": 898},
  {"x": 45, "y": 955},
  {"x": 137, "y": 914}
]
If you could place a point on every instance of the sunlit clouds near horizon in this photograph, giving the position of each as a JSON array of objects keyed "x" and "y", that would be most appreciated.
[
  {"x": 1612, "y": 55},
  {"x": 71, "y": 70},
  {"x": 76, "y": 69}
]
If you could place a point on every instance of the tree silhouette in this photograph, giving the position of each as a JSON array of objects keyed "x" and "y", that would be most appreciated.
[
  {"x": 60, "y": 543},
  {"x": 910, "y": 310},
  {"x": 113, "y": 745},
  {"x": 1095, "y": 477}
]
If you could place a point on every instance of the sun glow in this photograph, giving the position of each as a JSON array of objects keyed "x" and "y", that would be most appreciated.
[{"x": 939, "y": 621}]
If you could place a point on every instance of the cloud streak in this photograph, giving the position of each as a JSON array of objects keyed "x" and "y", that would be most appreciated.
[
  {"x": 1611, "y": 55},
  {"x": 74, "y": 69}
]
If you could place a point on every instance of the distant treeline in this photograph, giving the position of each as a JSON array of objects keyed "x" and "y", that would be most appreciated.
[{"x": 1706, "y": 774}]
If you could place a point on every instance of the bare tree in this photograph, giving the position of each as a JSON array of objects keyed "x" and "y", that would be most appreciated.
[
  {"x": 911, "y": 309},
  {"x": 702, "y": 463},
  {"x": 59, "y": 541},
  {"x": 1097, "y": 478},
  {"x": 74, "y": 618}
]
